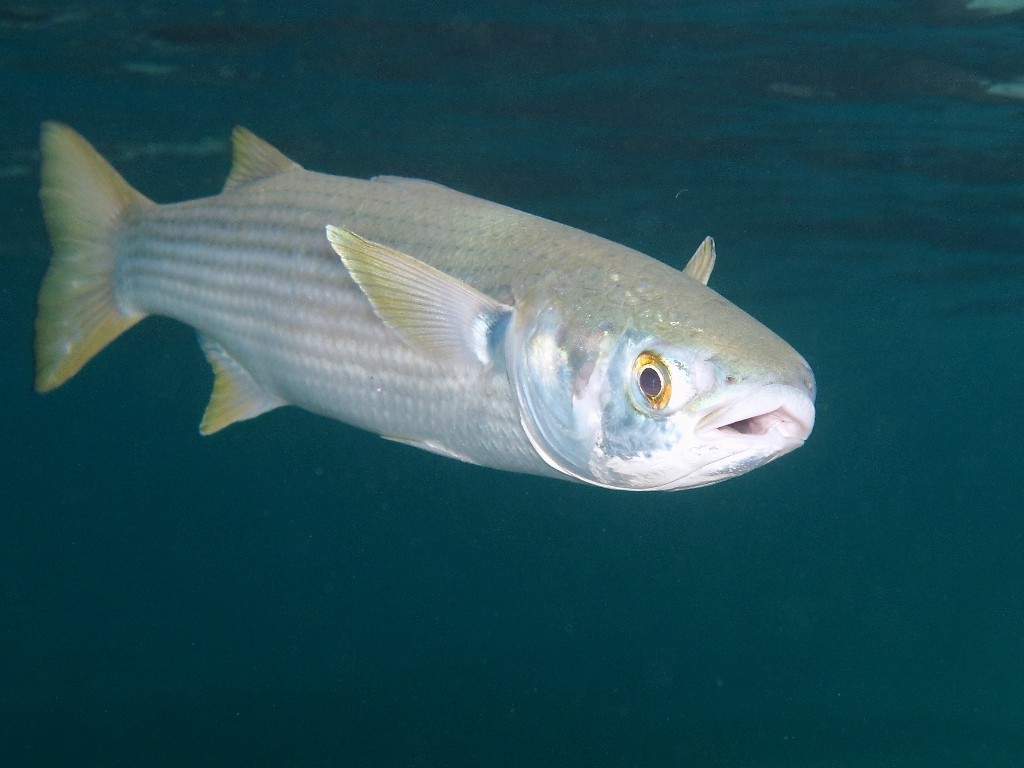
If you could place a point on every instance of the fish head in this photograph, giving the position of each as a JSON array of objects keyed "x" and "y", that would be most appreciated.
[{"x": 654, "y": 383}]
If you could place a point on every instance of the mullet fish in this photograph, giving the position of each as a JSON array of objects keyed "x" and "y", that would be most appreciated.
[{"x": 427, "y": 316}]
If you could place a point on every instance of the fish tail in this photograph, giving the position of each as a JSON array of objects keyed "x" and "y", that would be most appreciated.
[{"x": 84, "y": 203}]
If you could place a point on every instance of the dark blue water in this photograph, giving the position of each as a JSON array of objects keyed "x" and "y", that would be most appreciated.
[{"x": 294, "y": 592}]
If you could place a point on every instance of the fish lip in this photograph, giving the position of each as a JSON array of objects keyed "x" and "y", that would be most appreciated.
[
  {"x": 761, "y": 414},
  {"x": 786, "y": 414}
]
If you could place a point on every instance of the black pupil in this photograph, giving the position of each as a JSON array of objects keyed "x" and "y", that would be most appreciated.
[{"x": 650, "y": 382}]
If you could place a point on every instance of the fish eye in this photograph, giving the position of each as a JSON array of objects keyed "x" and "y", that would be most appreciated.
[{"x": 652, "y": 378}]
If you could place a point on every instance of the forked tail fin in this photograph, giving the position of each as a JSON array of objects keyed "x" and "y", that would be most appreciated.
[{"x": 84, "y": 201}]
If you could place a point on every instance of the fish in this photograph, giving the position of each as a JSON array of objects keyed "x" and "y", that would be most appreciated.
[{"x": 427, "y": 316}]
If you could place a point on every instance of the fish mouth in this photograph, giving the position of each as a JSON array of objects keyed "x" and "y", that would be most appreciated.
[{"x": 770, "y": 414}]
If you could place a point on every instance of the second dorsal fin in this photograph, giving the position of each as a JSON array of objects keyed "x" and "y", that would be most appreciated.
[{"x": 252, "y": 158}]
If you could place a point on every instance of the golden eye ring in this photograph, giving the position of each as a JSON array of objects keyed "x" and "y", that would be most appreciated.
[{"x": 652, "y": 379}]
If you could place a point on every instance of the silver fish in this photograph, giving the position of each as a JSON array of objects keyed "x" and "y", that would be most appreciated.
[{"x": 427, "y": 316}]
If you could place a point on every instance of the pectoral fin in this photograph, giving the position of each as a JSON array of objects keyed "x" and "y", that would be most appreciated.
[
  {"x": 702, "y": 262},
  {"x": 236, "y": 396},
  {"x": 430, "y": 310}
]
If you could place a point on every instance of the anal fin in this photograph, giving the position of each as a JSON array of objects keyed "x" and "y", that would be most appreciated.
[
  {"x": 236, "y": 396},
  {"x": 432, "y": 446}
]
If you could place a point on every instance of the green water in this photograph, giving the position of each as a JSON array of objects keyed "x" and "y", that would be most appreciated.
[{"x": 293, "y": 592}]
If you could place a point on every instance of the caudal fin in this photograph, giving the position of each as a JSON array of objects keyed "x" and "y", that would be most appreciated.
[{"x": 84, "y": 202}]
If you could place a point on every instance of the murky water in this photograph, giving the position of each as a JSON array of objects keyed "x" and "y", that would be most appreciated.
[{"x": 295, "y": 592}]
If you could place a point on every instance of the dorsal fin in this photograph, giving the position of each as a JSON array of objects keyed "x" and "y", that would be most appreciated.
[
  {"x": 702, "y": 262},
  {"x": 252, "y": 158},
  {"x": 236, "y": 396}
]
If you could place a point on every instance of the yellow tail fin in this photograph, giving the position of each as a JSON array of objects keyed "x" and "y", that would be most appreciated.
[{"x": 84, "y": 201}]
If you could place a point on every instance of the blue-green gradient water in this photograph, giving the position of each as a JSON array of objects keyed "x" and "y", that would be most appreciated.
[{"x": 293, "y": 592}]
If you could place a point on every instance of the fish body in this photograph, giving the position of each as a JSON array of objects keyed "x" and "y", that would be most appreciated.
[{"x": 422, "y": 314}]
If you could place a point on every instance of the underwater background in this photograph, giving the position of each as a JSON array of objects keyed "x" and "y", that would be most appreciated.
[{"x": 294, "y": 592}]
